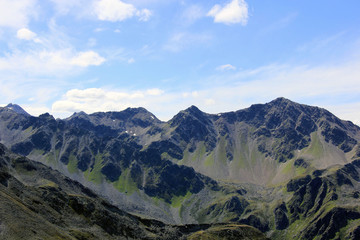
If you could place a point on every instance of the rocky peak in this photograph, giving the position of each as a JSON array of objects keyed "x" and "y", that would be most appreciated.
[
  {"x": 189, "y": 115},
  {"x": 78, "y": 115},
  {"x": 194, "y": 110},
  {"x": 193, "y": 125},
  {"x": 16, "y": 108},
  {"x": 125, "y": 115},
  {"x": 281, "y": 101}
]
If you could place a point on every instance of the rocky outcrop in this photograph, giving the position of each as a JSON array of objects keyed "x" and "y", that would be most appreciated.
[
  {"x": 326, "y": 225},
  {"x": 281, "y": 218}
]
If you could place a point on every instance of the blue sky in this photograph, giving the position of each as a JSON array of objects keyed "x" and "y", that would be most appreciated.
[{"x": 64, "y": 56}]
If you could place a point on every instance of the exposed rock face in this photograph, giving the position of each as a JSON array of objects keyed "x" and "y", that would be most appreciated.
[
  {"x": 295, "y": 184},
  {"x": 214, "y": 145},
  {"x": 16, "y": 108},
  {"x": 270, "y": 165},
  {"x": 327, "y": 225},
  {"x": 281, "y": 219},
  {"x": 37, "y": 202}
]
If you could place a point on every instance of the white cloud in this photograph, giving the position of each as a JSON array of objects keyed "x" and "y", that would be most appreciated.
[
  {"x": 16, "y": 14},
  {"x": 97, "y": 99},
  {"x": 193, "y": 94},
  {"x": 346, "y": 111},
  {"x": 49, "y": 62},
  {"x": 116, "y": 10},
  {"x": 92, "y": 42},
  {"x": 64, "y": 6},
  {"x": 191, "y": 14},
  {"x": 35, "y": 110},
  {"x": 43, "y": 68},
  {"x": 144, "y": 15},
  {"x": 314, "y": 85},
  {"x": 226, "y": 67},
  {"x": 182, "y": 40},
  {"x": 209, "y": 101},
  {"x": 131, "y": 60},
  {"x": 330, "y": 86},
  {"x": 85, "y": 59},
  {"x": 154, "y": 92},
  {"x": 235, "y": 11},
  {"x": 26, "y": 34},
  {"x": 52, "y": 56}
]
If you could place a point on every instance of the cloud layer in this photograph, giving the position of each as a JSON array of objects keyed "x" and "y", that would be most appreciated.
[
  {"x": 16, "y": 14},
  {"x": 97, "y": 99},
  {"x": 235, "y": 11},
  {"x": 116, "y": 10},
  {"x": 303, "y": 84},
  {"x": 226, "y": 67}
]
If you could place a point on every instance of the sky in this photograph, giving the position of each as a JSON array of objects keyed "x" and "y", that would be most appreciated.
[{"x": 66, "y": 56}]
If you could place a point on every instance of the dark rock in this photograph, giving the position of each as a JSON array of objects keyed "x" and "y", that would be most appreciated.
[
  {"x": 256, "y": 222},
  {"x": 318, "y": 173},
  {"x": 111, "y": 172},
  {"x": 168, "y": 147},
  {"x": 356, "y": 194},
  {"x": 281, "y": 219},
  {"x": 172, "y": 180},
  {"x": 342, "y": 178},
  {"x": 355, "y": 234},
  {"x": 4, "y": 177},
  {"x": 41, "y": 140},
  {"x": 327, "y": 225},
  {"x": 300, "y": 162},
  {"x": 236, "y": 205},
  {"x": 295, "y": 184},
  {"x": 339, "y": 138},
  {"x": 84, "y": 159},
  {"x": 241, "y": 191},
  {"x": 192, "y": 126},
  {"x": 23, "y": 148}
]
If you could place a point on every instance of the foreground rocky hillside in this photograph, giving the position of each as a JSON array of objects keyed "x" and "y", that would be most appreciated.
[
  {"x": 287, "y": 169},
  {"x": 37, "y": 202}
]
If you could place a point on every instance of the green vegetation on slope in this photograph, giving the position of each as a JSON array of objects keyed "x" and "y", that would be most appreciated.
[
  {"x": 125, "y": 184},
  {"x": 94, "y": 174}
]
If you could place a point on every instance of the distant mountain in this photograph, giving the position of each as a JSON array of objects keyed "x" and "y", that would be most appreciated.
[
  {"x": 245, "y": 167},
  {"x": 16, "y": 108},
  {"x": 261, "y": 144}
]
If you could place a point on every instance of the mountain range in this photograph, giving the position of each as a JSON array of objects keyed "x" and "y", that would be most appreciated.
[{"x": 287, "y": 169}]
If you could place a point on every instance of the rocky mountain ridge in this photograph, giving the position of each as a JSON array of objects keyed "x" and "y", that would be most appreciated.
[{"x": 241, "y": 167}]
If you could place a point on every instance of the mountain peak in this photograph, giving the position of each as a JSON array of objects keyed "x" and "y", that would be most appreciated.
[
  {"x": 192, "y": 112},
  {"x": 16, "y": 108},
  {"x": 79, "y": 114},
  {"x": 135, "y": 110},
  {"x": 193, "y": 109},
  {"x": 280, "y": 101}
]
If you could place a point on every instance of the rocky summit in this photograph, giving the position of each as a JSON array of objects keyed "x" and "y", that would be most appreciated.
[{"x": 287, "y": 169}]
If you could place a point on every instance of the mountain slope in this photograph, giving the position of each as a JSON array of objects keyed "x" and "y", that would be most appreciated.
[
  {"x": 261, "y": 144},
  {"x": 102, "y": 151},
  {"x": 245, "y": 167},
  {"x": 37, "y": 202}
]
